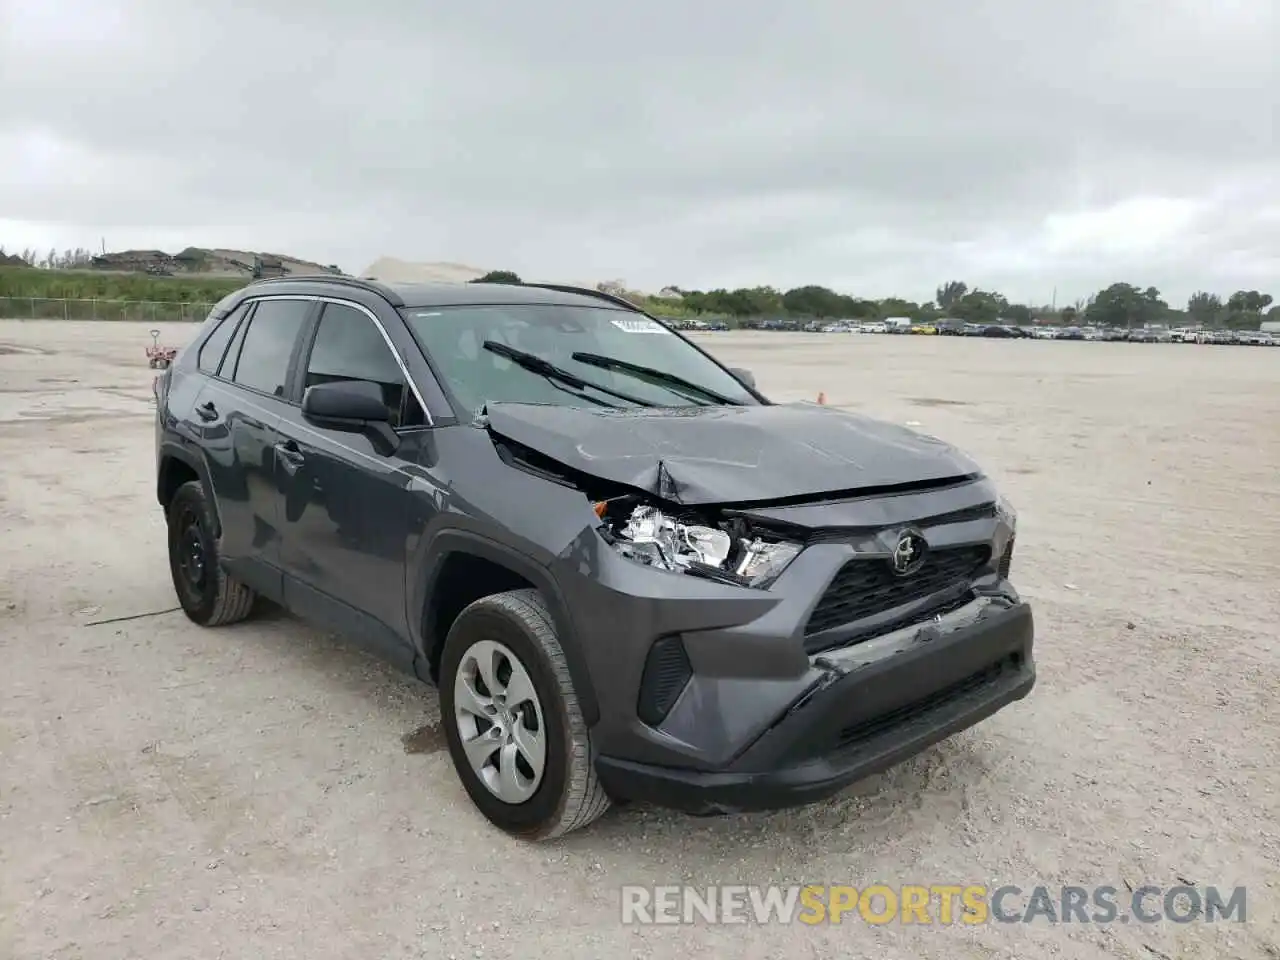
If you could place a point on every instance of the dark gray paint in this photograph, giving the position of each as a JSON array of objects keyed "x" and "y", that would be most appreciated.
[
  {"x": 716, "y": 455},
  {"x": 355, "y": 538}
]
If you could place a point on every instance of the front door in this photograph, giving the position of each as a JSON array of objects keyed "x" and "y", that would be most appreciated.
[
  {"x": 239, "y": 410},
  {"x": 345, "y": 501}
]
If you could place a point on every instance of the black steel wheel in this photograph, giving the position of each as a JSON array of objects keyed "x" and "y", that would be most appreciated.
[{"x": 208, "y": 595}]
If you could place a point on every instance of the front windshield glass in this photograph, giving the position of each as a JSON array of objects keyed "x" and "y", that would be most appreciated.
[{"x": 454, "y": 337}]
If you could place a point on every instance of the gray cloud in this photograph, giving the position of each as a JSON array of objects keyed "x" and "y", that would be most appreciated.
[{"x": 876, "y": 149}]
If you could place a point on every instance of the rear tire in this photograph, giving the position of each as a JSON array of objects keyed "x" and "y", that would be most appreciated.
[
  {"x": 518, "y": 740},
  {"x": 208, "y": 594}
]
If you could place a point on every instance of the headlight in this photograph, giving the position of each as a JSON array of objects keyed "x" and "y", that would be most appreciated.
[
  {"x": 1009, "y": 517},
  {"x": 655, "y": 539},
  {"x": 1006, "y": 512}
]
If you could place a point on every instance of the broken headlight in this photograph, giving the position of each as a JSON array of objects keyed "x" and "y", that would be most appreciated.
[
  {"x": 725, "y": 553},
  {"x": 1006, "y": 513}
]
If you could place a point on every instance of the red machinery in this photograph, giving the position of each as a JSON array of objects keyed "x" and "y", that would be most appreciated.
[{"x": 158, "y": 357}]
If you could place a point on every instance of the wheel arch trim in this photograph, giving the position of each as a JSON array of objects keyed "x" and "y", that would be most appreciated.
[
  {"x": 173, "y": 450},
  {"x": 448, "y": 542}
]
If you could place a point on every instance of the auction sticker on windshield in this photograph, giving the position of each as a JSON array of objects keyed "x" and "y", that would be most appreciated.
[{"x": 640, "y": 326}]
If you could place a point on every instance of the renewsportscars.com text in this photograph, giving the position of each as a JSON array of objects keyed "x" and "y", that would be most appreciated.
[{"x": 938, "y": 904}]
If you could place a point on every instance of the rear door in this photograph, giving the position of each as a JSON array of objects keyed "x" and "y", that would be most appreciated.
[
  {"x": 240, "y": 408},
  {"x": 345, "y": 505}
]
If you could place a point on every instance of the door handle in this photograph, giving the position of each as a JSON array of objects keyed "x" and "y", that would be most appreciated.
[
  {"x": 207, "y": 411},
  {"x": 290, "y": 456}
]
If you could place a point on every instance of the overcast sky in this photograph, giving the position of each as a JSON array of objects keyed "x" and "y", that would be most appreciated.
[{"x": 878, "y": 148}]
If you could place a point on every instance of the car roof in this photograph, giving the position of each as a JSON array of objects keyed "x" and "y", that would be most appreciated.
[
  {"x": 413, "y": 295},
  {"x": 454, "y": 294}
]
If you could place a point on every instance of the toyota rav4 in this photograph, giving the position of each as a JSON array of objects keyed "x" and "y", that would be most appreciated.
[{"x": 631, "y": 575}]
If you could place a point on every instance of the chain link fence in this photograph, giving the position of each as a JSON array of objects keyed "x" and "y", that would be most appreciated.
[{"x": 138, "y": 311}]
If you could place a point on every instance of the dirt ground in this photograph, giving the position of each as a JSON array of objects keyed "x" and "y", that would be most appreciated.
[{"x": 172, "y": 792}]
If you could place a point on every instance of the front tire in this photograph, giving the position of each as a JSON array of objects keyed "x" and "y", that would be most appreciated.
[
  {"x": 512, "y": 720},
  {"x": 208, "y": 595}
]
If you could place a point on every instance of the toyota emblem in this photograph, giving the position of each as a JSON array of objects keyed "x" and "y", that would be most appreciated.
[{"x": 908, "y": 555}]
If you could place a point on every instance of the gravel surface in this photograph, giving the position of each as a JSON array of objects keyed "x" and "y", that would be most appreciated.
[{"x": 249, "y": 792}]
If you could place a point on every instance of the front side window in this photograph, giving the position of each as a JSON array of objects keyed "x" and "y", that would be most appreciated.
[
  {"x": 349, "y": 346},
  {"x": 267, "y": 344},
  {"x": 581, "y": 341}
]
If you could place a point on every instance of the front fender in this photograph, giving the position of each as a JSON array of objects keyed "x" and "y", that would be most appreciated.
[
  {"x": 172, "y": 451},
  {"x": 449, "y": 541}
]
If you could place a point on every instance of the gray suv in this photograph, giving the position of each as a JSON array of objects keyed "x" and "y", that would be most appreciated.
[{"x": 631, "y": 576}]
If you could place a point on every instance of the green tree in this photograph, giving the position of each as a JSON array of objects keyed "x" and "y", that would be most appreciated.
[
  {"x": 1068, "y": 316},
  {"x": 1124, "y": 305},
  {"x": 498, "y": 276},
  {"x": 750, "y": 302},
  {"x": 949, "y": 294},
  {"x": 980, "y": 306},
  {"x": 897, "y": 307},
  {"x": 1250, "y": 300},
  {"x": 721, "y": 302},
  {"x": 815, "y": 301},
  {"x": 1204, "y": 309},
  {"x": 1017, "y": 313},
  {"x": 1244, "y": 309},
  {"x": 929, "y": 312}
]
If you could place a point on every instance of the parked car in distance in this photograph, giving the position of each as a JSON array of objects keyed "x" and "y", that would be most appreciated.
[
  {"x": 1218, "y": 337},
  {"x": 557, "y": 509},
  {"x": 1256, "y": 338}
]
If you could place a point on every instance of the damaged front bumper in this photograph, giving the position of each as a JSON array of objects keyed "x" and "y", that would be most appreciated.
[
  {"x": 718, "y": 696},
  {"x": 863, "y": 709}
]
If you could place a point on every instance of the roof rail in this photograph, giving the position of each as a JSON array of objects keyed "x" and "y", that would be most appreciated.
[
  {"x": 587, "y": 292},
  {"x": 373, "y": 286}
]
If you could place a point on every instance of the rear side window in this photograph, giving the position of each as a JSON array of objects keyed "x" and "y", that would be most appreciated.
[
  {"x": 215, "y": 346},
  {"x": 263, "y": 363},
  {"x": 349, "y": 346}
]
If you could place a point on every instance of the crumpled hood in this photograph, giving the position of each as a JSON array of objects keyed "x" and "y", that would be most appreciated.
[{"x": 706, "y": 455}]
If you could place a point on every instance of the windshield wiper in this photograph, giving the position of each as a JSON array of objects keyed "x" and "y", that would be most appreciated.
[
  {"x": 661, "y": 377},
  {"x": 535, "y": 364}
]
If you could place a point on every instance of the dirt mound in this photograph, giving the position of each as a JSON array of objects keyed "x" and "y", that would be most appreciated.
[
  {"x": 202, "y": 262},
  {"x": 391, "y": 270}
]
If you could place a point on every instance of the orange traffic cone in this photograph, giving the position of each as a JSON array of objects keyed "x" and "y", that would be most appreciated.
[{"x": 822, "y": 398}]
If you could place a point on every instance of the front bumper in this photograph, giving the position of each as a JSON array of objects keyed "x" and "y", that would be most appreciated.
[{"x": 871, "y": 706}]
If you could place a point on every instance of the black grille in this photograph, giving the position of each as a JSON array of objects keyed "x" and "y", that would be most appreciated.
[
  {"x": 947, "y": 604},
  {"x": 869, "y": 729},
  {"x": 867, "y": 587},
  {"x": 666, "y": 671},
  {"x": 1006, "y": 560}
]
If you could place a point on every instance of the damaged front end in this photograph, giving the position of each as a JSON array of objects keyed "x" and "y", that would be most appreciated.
[
  {"x": 703, "y": 540},
  {"x": 727, "y": 550}
]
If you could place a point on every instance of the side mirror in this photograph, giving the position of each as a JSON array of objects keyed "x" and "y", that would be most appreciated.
[
  {"x": 345, "y": 403},
  {"x": 744, "y": 376},
  {"x": 352, "y": 406}
]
